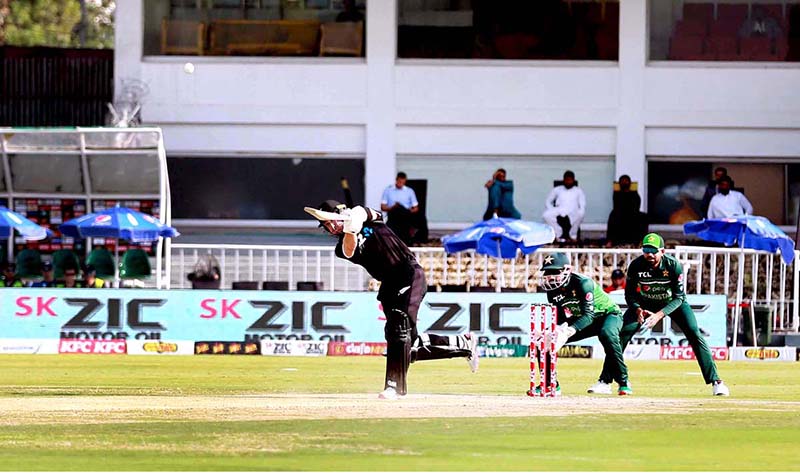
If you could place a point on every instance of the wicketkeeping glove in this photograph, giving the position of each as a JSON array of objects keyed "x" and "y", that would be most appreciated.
[{"x": 563, "y": 332}]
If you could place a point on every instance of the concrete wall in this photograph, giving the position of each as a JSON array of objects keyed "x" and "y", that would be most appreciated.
[{"x": 610, "y": 114}]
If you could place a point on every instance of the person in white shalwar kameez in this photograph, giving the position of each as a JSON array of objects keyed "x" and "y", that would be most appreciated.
[
  {"x": 565, "y": 208},
  {"x": 728, "y": 202}
]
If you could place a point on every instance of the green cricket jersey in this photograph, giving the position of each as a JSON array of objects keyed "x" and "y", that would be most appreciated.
[
  {"x": 655, "y": 289},
  {"x": 580, "y": 301}
]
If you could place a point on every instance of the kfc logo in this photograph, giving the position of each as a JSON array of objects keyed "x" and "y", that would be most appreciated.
[{"x": 92, "y": 347}]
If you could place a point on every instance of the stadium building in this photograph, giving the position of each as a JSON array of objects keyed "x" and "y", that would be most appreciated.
[{"x": 265, "y": 104}]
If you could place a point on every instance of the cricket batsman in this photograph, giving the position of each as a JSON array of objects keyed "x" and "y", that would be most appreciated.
[
  {"x": 366, "y": 241},
  {"x": 654, "y": 289},
  {"x": 585, "y": 310}
]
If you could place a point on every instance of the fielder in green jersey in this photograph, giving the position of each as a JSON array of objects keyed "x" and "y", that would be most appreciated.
[
  {"x": 654, "y": 289},
  {"x": 584, "y": 311}
]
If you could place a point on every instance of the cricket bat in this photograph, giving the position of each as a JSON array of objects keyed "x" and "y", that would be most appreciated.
[{"x": 324, "y": 216}]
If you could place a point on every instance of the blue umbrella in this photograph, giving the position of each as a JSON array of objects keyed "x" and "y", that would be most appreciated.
[
  {"x": 10, "y": 221},
  {"x": 120, "y": 223},
  {"x": 500, "y": 238},
  {"x": 745, "y": 231}
]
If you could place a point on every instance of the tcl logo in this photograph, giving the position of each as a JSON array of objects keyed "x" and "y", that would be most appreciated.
[
  {"x": 686, "y": 353},
  {"x": 762, "y": 354},
  {"x": 92, "y": 347}
]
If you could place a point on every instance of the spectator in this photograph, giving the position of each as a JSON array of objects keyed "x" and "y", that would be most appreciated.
[
  {"x": 501, "y": 197},
  {"x": 565, "y": 208},
  {"x": 760, "y": 23},
  {"x": 90, "y": 278},
  {"x": 48, "y": 276},
  {"x": 728, "y": 203},
  {"x": 401, "y": 206},
  {"x": 10, "y": 275},
  {"x": 617, "y": 285},
  {"x": 349, "y": 12},
  {"x": 711, "y": 188},
  {"x": 70, "y": 281},
  {"x": 625, "y": 223}
]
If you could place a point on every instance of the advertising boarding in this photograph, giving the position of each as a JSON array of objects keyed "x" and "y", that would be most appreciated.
[{"x": 253, "y": 316}]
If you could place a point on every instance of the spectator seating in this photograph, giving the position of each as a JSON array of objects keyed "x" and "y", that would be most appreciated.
[
  {"x": 275, "y": 285},
  {"x": 198, "y": 284},
  {"x": 103, "y": 262},
  {"x": 135, "y": 265},
  {"x": 245, "y": 285},
  {"x": 732, "y": 11},
  {"x": 310, "y": 286},
  {"x": 264, "y": 37},
  {"x": 703, "y": 34},
  {"x": 65, "y": 259},
  {"x": 186, "y": 37},
  {"x": 29, "y": 264},
  {"x": 454, "y": 287},
  {"x": 342, "y": 39},
  {"x": 700, "y": 11}
]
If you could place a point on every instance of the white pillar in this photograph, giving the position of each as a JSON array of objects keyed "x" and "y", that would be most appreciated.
[
  {"x": 128, "y": 39},
  {"x": 380, "y": 127},
  {"x": 633, "y": 51}
]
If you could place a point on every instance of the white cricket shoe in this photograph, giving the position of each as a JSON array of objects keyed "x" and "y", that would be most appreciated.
[
  {"x": 472, "y": 359},
  {"x": 389, "y": 393},
  {"x": 600, "y": 387},
  {"x": 720, "y": 389}
]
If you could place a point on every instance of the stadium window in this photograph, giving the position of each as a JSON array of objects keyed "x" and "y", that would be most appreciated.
[
  {"x": 676, "y": 189},
  {"x": 201, "y": 186},
  {"x": 254, "y": 27},
  {"x": 504, "y": 29},
  {"x": 464, "y": 199},
  {"x": 733, "y": 30}
]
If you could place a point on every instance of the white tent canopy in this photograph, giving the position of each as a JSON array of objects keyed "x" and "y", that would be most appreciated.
[{"x": 91, "y": 164}]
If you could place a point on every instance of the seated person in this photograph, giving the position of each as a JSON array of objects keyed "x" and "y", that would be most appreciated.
[
  {"x": 501, "y": 197},
  {"x": 349, "y": 13},
  {"x": 48, "y": 276},
  {"x": 70, "y": 279},
  {"x": 10, "y": 278},
  {"x": 401, "y": 206},
  {"x": 626, "y": 224},
  {"x": 617, "y": 285},
  {"x": 90, "y": 279},
  {"x": 565, "y": 208}
]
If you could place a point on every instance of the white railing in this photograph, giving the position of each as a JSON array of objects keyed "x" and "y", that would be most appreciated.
[
  {"x": 260, "y": 263},
  {"x": 768, "y": 281}
]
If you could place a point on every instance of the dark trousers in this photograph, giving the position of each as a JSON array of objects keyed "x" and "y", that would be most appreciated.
[
  {"x": 607, "y": 330},
  {"x": 404, "y": 345},
  {"x": 684, "y": 317}
]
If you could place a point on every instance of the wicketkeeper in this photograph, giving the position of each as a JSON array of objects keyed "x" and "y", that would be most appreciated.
[
  {"x": 654, "y": 289},
  {"x": 366, "y": 241},
  {"x": 585, "y": 310}
]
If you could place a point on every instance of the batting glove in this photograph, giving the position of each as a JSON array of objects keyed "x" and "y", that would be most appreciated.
[{"x": 357, "y": 218}]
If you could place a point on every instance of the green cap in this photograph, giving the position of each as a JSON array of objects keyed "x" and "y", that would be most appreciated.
[
  {"x": 555, "y": 261},
  {"x": 654, "y": 240}
]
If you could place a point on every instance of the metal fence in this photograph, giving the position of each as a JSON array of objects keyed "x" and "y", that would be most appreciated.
[{"x": 768, "y": 281}]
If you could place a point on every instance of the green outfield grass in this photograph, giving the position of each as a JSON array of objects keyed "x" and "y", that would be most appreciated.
[{"x": 725, "y": 436}]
